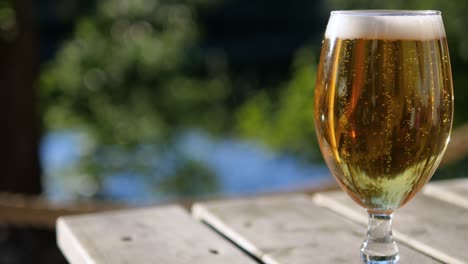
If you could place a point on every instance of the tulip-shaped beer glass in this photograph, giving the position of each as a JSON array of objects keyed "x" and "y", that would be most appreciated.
[{"x": 383, "y": 111}]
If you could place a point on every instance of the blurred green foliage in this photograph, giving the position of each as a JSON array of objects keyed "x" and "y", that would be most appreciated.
[
  {"x": 284, "y": 121},
  {"x": 189, "y": 180},
  {"x": 124, "y": 76},
  {"x": 130, "y": 77},
  {"x": 126, "y": 79}
]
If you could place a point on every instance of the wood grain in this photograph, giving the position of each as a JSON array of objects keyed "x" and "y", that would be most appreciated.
[
  {"x": 153, "y": 235},
  {"x": 290, "y": 229},
  {"x": 426, "y": 224}
]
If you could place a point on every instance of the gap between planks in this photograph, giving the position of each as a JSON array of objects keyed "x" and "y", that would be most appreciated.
[
  {"x": 200, "y": 213},
  {"x": 148, "y": 235},
  {"x": 274, "y": 218},
  {"x": 328, "y": 202}
]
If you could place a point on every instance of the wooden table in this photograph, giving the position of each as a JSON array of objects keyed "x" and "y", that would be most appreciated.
[{"x": 285, "y": 229}]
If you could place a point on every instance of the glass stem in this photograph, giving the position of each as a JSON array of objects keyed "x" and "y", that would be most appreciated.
[{"x": 379, "y": 246}]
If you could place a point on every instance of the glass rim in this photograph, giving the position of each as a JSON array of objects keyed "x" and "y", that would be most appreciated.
[{"x": 387, "y": 12}]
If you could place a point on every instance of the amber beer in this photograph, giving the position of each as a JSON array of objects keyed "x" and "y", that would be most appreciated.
[{"x": 383, "y": 106}]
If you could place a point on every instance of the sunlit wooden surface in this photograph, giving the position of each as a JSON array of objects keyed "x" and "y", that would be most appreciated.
[{"x": 326, "y": 227}]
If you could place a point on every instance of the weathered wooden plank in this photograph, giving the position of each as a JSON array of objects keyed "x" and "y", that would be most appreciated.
[
  {"x": 290, "y": 229},
  {"x": 426, "y": 224},
  {"x": 451, "y": 191},
  {"x": 154, "y": 235}
]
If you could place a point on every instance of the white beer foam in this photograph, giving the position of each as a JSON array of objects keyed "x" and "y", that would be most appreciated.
[{"x": 378, "y": 25}]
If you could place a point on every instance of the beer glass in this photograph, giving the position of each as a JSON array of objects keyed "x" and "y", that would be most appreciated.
[{"x": 383, "y": 111}]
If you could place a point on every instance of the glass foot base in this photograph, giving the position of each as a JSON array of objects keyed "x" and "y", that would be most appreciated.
[{"x": 369, "y": 259}]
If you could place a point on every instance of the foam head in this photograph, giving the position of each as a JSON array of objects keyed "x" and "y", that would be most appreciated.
[{"x": 385, "y": 25}]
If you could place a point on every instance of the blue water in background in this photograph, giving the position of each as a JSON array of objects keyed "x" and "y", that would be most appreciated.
[{"x": 242, "y": 167}]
